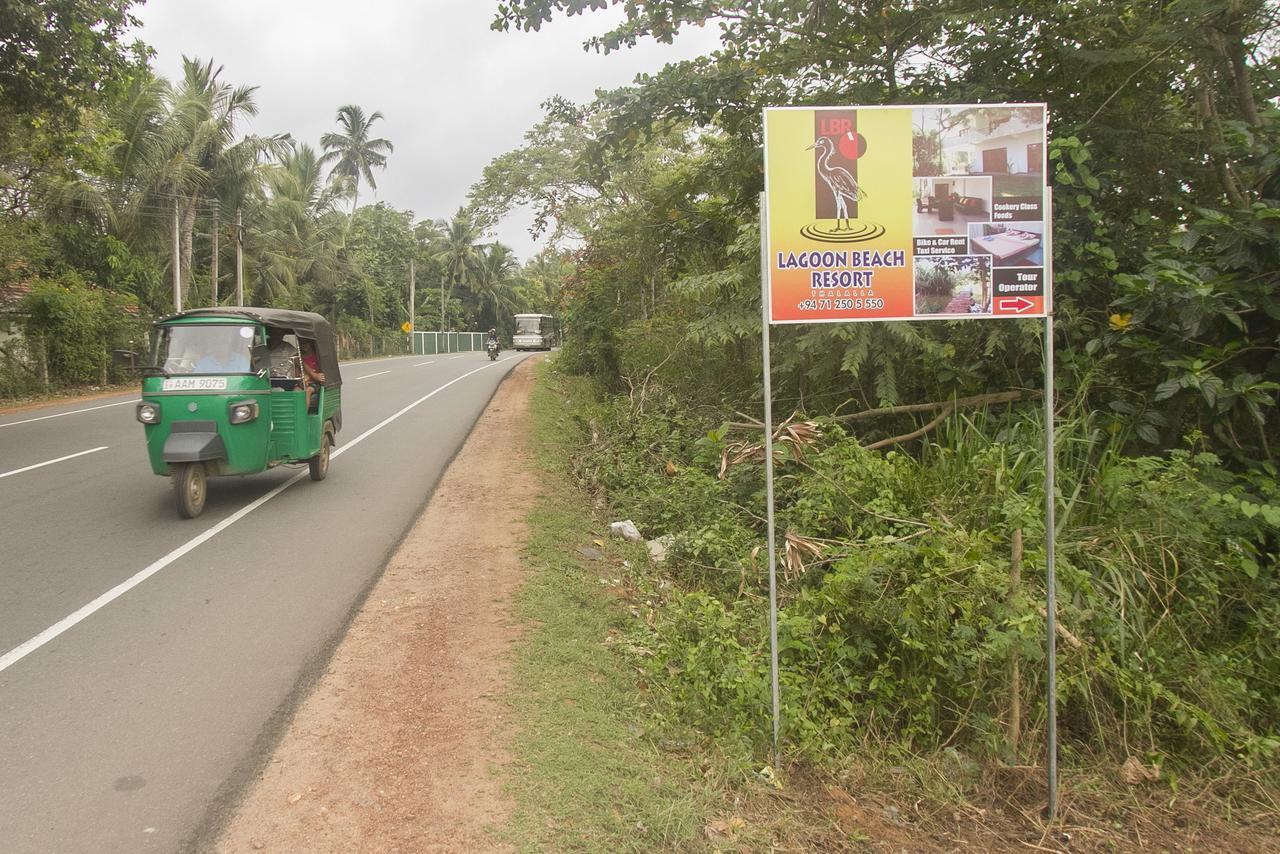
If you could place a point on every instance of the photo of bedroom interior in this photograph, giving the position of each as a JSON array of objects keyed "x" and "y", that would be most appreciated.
[{"x": 1015, "y": 244}]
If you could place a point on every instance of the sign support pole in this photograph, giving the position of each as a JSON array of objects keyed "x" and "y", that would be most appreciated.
[
  {"x": 1050, "y": 525},
  {"x": 1050, "y": 593},
  {"x": 768, "y": 466}
]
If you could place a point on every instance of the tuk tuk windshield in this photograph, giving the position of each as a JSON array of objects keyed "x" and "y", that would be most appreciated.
[{"x": 204, "y": 349}]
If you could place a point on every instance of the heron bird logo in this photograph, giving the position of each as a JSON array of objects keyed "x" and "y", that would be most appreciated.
[
  {"x": 839, "y": 180},
  {"x": 842, "y": 185}
]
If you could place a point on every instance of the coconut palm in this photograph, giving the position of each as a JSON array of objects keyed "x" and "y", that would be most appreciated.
[
  {"x": 543, "y": 276},
  {"x": 493, "y": 282},
  {"x": 299, "y": 250},
  {"x": 175, "y": 148},
  {"x": 201, "y": 143},
  {"x": 458, "y": 252},
  {"x": 353, "y": 152}
]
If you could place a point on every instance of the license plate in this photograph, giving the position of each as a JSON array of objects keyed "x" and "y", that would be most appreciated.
[{"x": 194, "y": 384}]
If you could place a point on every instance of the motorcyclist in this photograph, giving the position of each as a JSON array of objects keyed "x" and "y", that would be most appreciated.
[{"x": 493, "y": 338}]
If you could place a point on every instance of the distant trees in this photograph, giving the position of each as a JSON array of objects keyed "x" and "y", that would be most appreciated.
[
  {"x": 457, "y": 251},
  {"x": 493, "y": 284},
  {"x": 97, "y": 158}
]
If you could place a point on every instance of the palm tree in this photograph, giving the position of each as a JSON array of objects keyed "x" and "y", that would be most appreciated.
[
  {"x": 175, "y": 148},
  {"x": 300, "y": 258},
  {"x": 200, "y": 142},
  {"x": 544, "y": 275},
  {"x": 493, "y": 281},
  {"x": 458, "y": 253},
  {"x": 356, "y": 154}
]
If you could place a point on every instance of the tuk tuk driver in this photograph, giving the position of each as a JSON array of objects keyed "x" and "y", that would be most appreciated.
[
  {"x": 311, "y": 372},
  {"x": 229, "y": 355}
]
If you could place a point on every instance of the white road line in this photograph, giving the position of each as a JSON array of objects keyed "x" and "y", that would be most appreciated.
[
  {"x": 451, "y": 358},
  {"x": 420, "y": 364},
  {"x": 24, "y": 649},
  {"x": 58, "y": 460},
  {"x": 72, "y": 412},
  {"x": 378, "y": 374}
]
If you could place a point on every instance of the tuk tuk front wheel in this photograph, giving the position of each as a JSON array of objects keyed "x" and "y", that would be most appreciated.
[
  {"x": 319, "y": 464},
  {"x": 190, "y": 486}
]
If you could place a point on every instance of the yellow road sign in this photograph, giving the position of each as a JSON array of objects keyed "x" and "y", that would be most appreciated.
[{"x": 406, "y": 327}]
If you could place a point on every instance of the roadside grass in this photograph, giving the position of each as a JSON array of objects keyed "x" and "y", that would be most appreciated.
[
  {"x": 593, "y": 768},
  {"x": 585, "y": 776}
]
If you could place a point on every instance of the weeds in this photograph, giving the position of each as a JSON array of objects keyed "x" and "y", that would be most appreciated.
[{"x": 897, "y": 621}]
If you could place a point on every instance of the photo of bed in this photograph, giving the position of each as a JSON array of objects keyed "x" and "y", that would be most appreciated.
[{"x": 1009, "y": 245}]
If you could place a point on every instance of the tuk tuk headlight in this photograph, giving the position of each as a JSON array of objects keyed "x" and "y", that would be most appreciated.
[
  {"x": 242, "y": 412},
  {"x": 148, "y": 413}
]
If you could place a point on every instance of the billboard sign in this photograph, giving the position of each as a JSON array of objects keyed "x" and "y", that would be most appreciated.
[{"x": 906, "y": 212}]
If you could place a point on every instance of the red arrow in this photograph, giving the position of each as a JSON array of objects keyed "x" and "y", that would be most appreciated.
[{"x": 1017, "y": 305}]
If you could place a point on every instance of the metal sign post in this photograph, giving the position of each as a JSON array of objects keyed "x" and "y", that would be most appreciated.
[
  {"x": 1050, "y": 529},
  {"x": 768, "y": 467}
]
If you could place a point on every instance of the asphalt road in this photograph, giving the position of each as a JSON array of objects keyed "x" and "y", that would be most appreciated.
[{"x": 148, "y": 662}]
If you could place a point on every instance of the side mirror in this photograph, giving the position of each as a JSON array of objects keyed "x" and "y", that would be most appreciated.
[
  {"x": 125, "y": 359},
  {"x": 260, "y": 359}
]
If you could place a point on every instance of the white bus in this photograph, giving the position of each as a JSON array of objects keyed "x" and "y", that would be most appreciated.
[{"x": 534, "y": 332}]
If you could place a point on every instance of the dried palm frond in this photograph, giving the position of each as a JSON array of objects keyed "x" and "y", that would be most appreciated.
[
  {"x": 795, "y": 548},
  {"x": 795, "y": 437}
]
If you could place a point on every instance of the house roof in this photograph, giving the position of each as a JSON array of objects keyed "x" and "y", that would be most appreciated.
[{"x": 12, "y": 293}]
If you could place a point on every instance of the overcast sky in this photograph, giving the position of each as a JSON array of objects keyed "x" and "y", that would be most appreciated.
[{"x": 454, "y": 93}]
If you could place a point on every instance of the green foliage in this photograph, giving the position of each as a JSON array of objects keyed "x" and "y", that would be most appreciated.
[
  {"x": 57, "y": 57},
  {"x": 903, "y": 628},
  {"x": 75, "y": 327}
]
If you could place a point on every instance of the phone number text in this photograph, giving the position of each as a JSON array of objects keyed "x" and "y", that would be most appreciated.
[{"x": 834, "y": 304}]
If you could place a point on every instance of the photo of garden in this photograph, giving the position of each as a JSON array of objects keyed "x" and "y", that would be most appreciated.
[{"x": 956, "y": 284}]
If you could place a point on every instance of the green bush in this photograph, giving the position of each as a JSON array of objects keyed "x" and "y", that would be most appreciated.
[
  {"x": 904, "y": 628},
  {"x": 71, "y": 328}
]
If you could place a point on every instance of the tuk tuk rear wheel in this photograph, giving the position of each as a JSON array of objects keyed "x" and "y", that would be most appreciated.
[
  {"x": 319, "y": 464},
  {"x": 190, "y": 487}
]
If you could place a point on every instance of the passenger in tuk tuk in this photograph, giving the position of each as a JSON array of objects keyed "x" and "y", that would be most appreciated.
[{"x": 311, "y": 372}]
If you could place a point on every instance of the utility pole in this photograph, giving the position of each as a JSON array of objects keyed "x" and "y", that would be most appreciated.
[
  {"x": 177, "y": 263},
  {"x": 239, "y": 259},
  {"x": 213, "y": 276},
  {"x": 413, "y": 285}
]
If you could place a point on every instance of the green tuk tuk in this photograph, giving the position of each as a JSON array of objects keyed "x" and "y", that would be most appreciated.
[{"x": 235, "y": 391}]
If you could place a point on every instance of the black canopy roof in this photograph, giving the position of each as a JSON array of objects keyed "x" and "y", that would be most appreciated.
[{"x": 304, "y": 324}]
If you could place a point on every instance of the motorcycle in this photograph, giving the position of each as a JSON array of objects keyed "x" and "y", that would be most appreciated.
[{"x": 493, "y": 350}]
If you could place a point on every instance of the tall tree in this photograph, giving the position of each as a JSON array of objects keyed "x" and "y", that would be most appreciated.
[
  {"x": 493, "y": 283},
  {"x": 201, "y": 130},
  {"x": 458, "y": 252},
  {"x": 299, "y": 254},
  {"x": 354, "y": 152},
  {"x": 56, "y": 59}
]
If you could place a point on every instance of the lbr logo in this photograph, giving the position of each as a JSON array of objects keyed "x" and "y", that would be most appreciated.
[
  {"x": 837, "y": 191},
  {"x": 849, "y": 142}
]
